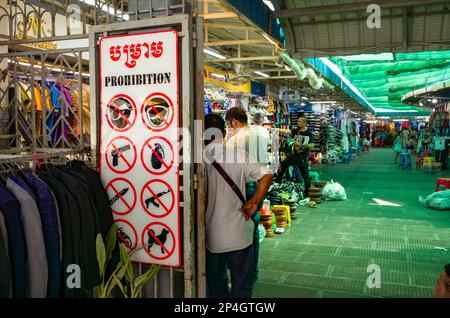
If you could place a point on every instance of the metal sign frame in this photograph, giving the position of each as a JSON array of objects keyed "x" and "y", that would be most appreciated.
[{"x": 184, "y": 24}]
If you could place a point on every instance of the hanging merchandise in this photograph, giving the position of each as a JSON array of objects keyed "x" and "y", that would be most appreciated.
[{"x": 59, "y": 210}]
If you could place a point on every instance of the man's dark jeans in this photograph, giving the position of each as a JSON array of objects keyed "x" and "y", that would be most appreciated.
[
  {"x": 240, "y": 264},
  {"x": 302, "y": 163}
]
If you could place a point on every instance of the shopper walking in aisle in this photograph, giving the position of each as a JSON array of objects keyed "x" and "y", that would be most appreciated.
[
  {"x": 254, "y": 140},
  {"x": 397, "y": 147},
  {"x": 405, "y": 136},
  {"x": 300, "y": 153},
  {"x": 229, "y": 228}
]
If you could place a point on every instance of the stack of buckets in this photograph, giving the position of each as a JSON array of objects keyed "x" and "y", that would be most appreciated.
[
  {"x": 292, "y": 206},
  {"x": 266, "y": 218},
  {"x": 315, "y": 193},
  {"x": 280, "y": 216}
]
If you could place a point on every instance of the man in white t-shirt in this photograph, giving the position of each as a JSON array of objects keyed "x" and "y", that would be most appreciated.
[
  {"x": 229, "y": 227},
  {"x": 255, "y": 142}
]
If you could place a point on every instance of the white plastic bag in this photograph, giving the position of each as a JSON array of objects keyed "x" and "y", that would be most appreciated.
[
  {"x": 334, "y": 191},
  {"x": 438, "y": 200}
]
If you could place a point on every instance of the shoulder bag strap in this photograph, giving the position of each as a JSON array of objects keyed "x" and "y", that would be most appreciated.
[{"x": 230, "y": 181}]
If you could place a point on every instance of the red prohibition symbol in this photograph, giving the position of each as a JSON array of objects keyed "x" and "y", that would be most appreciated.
[
  {"x": 157, "y": 155},
  {"x": 123, "y": 231},
  {"x": 121, "y": 112},
  {"x": 157, "y": 112},
  {"x": 157, "y": 198},
  {"x": 158, "y": 241},
  {"x": 120, "y": 155},
  {"x": 120, "y": 191}
]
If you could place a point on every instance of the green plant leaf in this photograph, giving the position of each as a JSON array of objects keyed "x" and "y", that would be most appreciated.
[
  {"x": 101, "y": 254},
  {"x": 130, "y": 273},
  {"x": 115, "y": 282},
  {"x": 124, "y": 256},
  {"x": 121, "y": 272},
  {"x": 145, "y": 278},
  {"x": 111, "y": 241}
]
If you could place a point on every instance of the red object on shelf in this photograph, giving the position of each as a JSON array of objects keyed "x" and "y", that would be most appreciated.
[{"x": 442, "y": 181}]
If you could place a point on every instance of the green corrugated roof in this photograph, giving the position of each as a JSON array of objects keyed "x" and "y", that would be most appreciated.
[{"x": 383, "y": 79}]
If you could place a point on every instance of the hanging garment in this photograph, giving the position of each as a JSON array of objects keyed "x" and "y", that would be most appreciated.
[
  {"x": 49, "y": 218},
  {"x": 90, "y": 226},
  {"x": 5, "y": 262},
  {"x": 102, "y": 204},
  {"x": 24, "y": 95},
  {"x": 70, "y": 232},
  {"x": 37, "y": 259},
  {"x": 16, "y": 241}
]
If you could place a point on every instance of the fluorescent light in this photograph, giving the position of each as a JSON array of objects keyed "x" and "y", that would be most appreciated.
[
  {"x": 434, "y": 100},
  {"x": 401, "y": 120},
  {"x": 371, "y": 121},
  {"x": 262, "y": 74},
  {"x": 47, "y": 66},
  {"x": 287, "y": 68},
  {"x": 212, "y": 53},
  {"x": 269, "y": 4}
]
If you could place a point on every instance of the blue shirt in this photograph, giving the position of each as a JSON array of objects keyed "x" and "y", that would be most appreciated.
[
  {"x": 50, "y": 226},
  {"x": 10, "y": 208}
]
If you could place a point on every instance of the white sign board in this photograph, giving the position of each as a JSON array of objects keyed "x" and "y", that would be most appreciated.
[{"x": 139, "y": 142}]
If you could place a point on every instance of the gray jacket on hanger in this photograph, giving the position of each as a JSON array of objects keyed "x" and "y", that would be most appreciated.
[{"x": 34, "y": 237}]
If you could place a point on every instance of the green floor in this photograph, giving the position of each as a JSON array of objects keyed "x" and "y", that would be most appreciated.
[{"x": 327, "y": 250}]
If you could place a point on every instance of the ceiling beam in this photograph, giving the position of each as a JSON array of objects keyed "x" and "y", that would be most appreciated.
[
  {"x": 220, "y": 15},
  {"x": 348, "y": 7},
  {"x": 240, "y": 59},
  {"x": 275, "y": 77},
  {"x": 363, "y": 19},
  {"x": 238, "y": 42},
  {"x": 229, "y": 26}
]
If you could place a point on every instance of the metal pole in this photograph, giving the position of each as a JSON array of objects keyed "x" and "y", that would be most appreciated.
[
  {"x": 33, "y": 104},
  {"x": 200, "y": 167},
  {"x": 188, "y": 173}
]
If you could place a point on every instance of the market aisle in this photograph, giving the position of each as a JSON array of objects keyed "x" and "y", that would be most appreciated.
[{"x": 327, "y": 250}]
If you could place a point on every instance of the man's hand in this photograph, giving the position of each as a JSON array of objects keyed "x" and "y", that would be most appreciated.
[{"x": 249, "y": 209}]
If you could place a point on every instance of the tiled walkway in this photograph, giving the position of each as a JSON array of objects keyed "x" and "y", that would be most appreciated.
[{"x": 327, "y": 250}]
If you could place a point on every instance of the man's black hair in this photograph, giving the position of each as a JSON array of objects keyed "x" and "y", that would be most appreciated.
[
  {"x": 447, "y": 269},
  {"x": 215, "y": 121},
  {"x": 237, "y": 113}
]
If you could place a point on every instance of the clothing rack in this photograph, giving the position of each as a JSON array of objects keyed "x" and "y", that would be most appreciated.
[{"x": 45, "y": 155}]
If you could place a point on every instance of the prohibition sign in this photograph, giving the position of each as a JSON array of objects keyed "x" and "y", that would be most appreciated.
[
  {"x": 159, "y": 239},
  {"x": 152, "y": 112},
  {"x": 157, "y": 198},
  {"x": 123, "y": 229},
  {"x": 121, "y": 112},
  {"x": 119, "y": 189},
  {"x": 156, "y": 153},
  {"x": 119, "y": 148}
]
